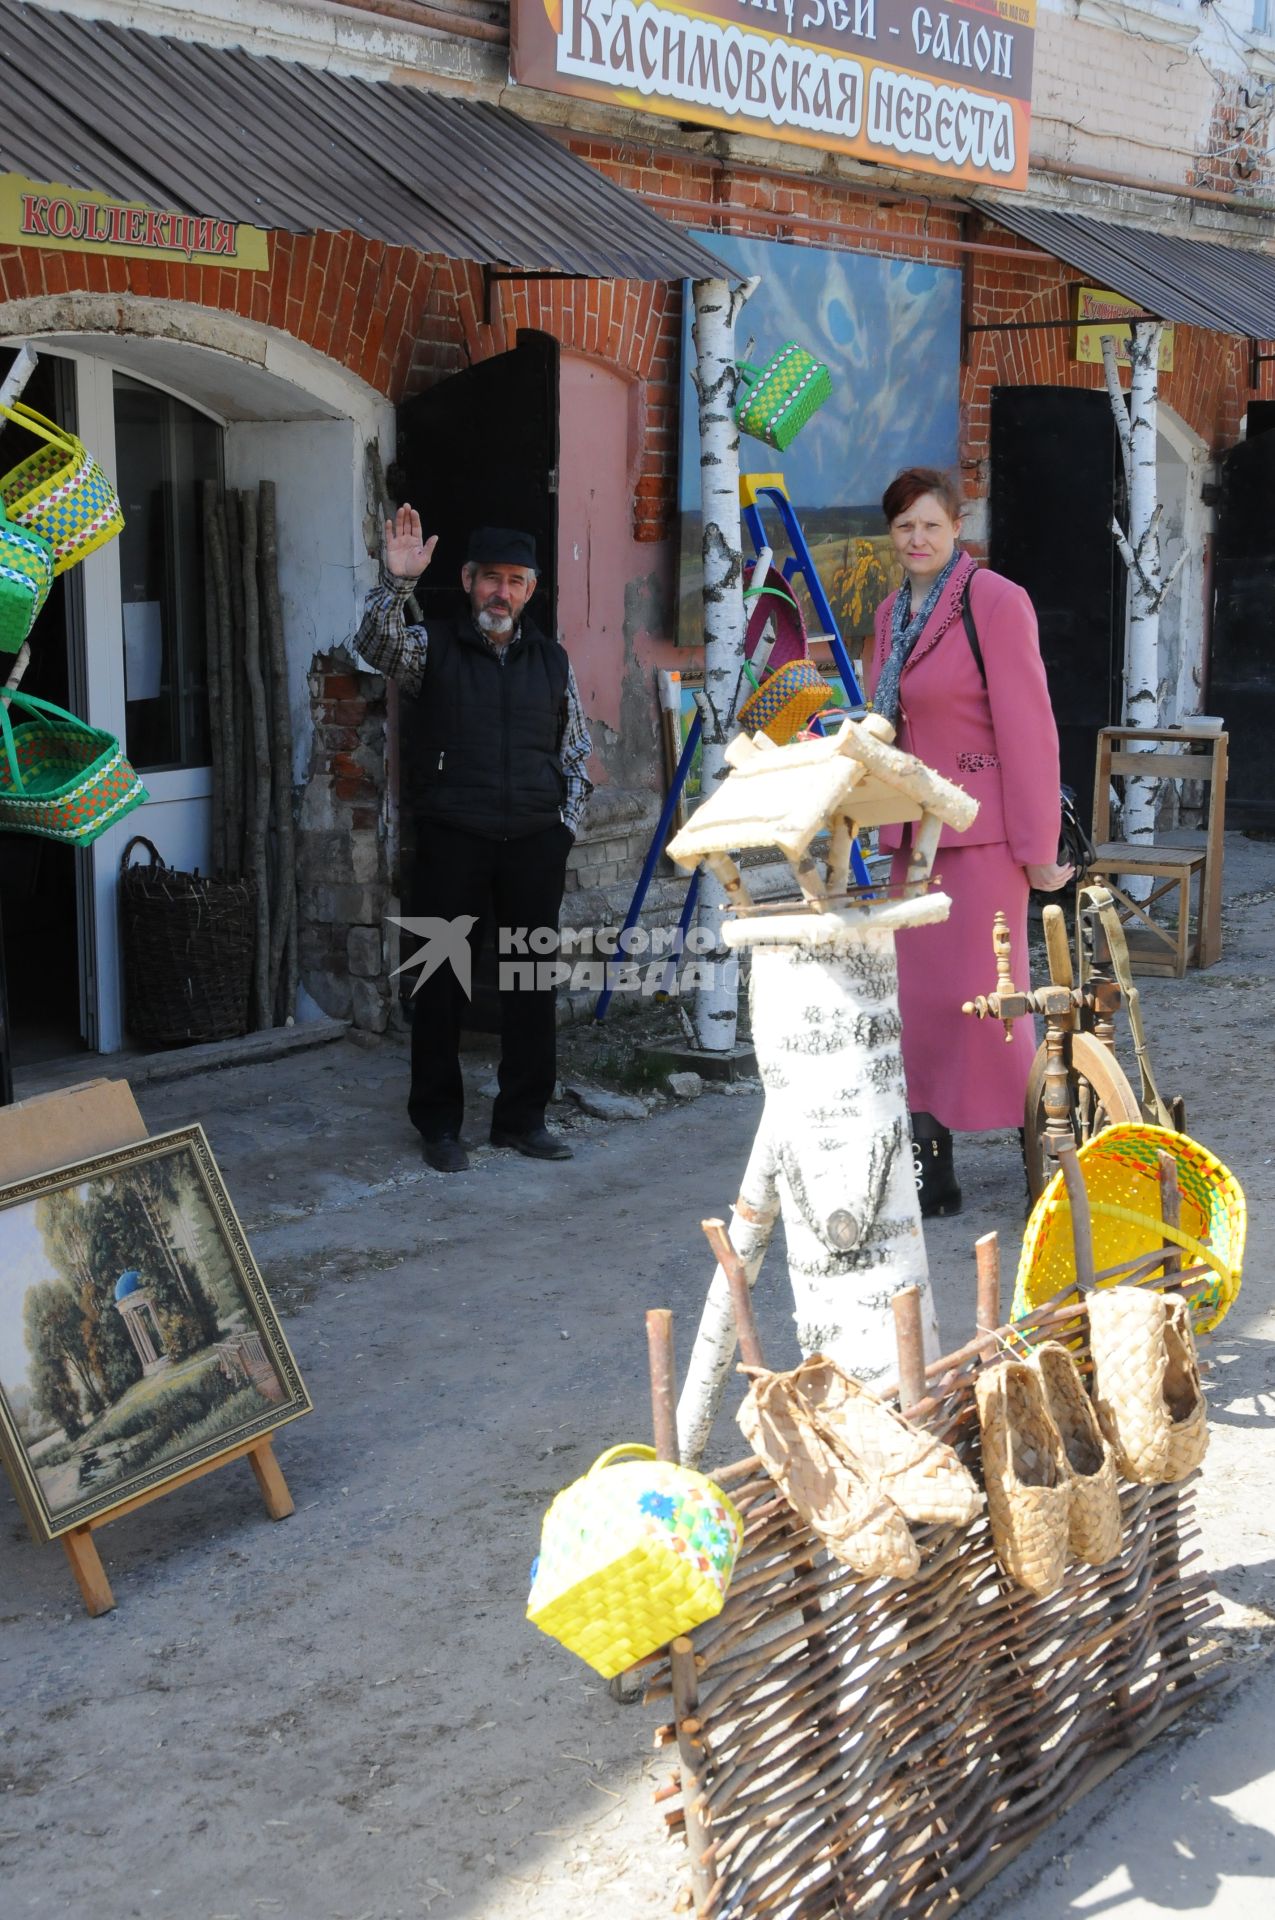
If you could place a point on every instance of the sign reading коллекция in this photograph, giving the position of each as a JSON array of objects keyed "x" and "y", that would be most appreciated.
[{"x": 946, "y": 89}]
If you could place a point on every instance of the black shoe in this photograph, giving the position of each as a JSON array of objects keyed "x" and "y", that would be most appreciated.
[
  {"x": 936, "y": 1181},
  {"x": 445, "y": 1154},
  {"x": 537, "y": 1143}
]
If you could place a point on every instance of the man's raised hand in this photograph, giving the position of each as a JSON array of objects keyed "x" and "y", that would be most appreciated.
[{"x": 406, "y": 554}]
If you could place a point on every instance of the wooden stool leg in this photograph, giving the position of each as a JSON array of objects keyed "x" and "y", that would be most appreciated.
[
  {"x": 90, "y": 1574},
  {"x": 270, "y": 1480},
  {"x": 1184, "y": 924}
]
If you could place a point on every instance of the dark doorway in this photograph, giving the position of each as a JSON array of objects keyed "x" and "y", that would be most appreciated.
[
  {"x": 1242, "y": 657},
  {"x": 38, "y": 877},
  {"x": 481, "y": 449},
  {"x": 1055, "y": 482}
]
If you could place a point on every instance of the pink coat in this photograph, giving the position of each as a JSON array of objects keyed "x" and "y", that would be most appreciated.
[{"x": 999, "y": 742}]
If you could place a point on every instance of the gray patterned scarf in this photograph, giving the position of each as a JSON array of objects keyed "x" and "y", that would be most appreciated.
[{"x": 906, "y": 629}]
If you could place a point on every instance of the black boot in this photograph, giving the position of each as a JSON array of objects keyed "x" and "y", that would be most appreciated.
[{"x": 932, "y": 1159}]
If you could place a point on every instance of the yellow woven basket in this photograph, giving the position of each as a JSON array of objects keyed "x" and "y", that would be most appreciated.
[
  {"x": 60, "y": 492},
  {"x": 1122, "y": 1178},
  {"x": 785, "y": 701},
  {"x": 631, "y": 1555}
]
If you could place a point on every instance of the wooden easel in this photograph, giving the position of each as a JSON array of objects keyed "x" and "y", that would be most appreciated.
[{"x": 56, "y": 1130}]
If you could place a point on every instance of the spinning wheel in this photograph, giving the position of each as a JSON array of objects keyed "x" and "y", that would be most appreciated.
[{"x": 1097, "y": 1094}]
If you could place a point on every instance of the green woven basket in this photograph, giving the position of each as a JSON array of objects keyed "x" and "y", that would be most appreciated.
[
  {"x": 26, "y": 574},
  {"x": 61, "y": 779},
  {"x": 780, "y": 397}
]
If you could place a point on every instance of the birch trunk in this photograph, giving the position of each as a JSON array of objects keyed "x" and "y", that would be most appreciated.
[
  {"x": 717, "y": 306},
  {"x": 1140, "y": 551}
]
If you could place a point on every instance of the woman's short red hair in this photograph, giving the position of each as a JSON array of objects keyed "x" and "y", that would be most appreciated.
[{"x": 912, "y": 483}]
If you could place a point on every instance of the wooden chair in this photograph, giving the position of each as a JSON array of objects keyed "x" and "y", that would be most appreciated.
[{"x": 1180, "y": 753}]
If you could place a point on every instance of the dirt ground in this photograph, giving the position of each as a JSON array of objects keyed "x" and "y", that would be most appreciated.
[{"x": 344, "y": 1716}]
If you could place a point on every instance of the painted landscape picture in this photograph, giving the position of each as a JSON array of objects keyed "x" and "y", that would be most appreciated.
[
  {"x": 889, "y": 332},
  {"x": 136, "y": 1336}
]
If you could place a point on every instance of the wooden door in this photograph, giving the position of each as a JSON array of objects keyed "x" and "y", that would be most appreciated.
[{"x": 1242, "y": 657}]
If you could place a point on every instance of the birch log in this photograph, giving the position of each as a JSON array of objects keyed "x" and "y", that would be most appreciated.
[
  {"x": 1137, "y": 428},
  {"x": 717, "y": 306},
  {"x": 259, "y": 817}
]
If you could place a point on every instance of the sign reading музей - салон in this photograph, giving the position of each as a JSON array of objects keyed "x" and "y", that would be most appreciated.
[{"x": 944, "y": 89}]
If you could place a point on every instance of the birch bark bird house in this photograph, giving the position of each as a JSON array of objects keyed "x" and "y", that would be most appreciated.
[{"x": 833, "y": 1149}]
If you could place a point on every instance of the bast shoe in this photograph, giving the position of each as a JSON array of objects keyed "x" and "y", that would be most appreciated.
[
  {"x": 1093, "y": 1521},
  {"x": 1027, "y": 1476},
  {"x": 919, "y": 1472},
  {"x": 537, "y": 1144},
  {"x": 1147, "y": 1383},
  {"x": 445, "y": 1154}
]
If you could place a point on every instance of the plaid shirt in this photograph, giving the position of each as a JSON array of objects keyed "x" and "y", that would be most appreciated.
[{"x": 392, "y": 647}]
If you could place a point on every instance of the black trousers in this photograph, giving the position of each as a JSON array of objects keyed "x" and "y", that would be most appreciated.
[{"x": 510, "y": 884}]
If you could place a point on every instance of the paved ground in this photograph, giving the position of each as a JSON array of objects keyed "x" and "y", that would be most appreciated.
[{"x": 345, "y": 1717}]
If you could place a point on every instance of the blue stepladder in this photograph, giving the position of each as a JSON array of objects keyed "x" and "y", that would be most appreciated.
[{"x": 754, "y": 488}]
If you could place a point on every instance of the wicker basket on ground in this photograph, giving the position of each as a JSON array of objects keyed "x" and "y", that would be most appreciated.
[{"x": 188, "y": 948}]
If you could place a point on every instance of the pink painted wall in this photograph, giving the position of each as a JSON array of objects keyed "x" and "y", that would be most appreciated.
[{"x": 615, "y": 594}]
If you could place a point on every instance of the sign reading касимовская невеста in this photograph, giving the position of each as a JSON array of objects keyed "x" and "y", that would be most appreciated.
[{"x": 944, "y": 89}]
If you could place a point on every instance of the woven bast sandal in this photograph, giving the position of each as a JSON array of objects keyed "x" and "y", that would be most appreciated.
[
  {"x": 921, "y": 1474},
  {"x": 1147, "y": 1383},
  {"x": 1027, "y": 1476},
  {"x": 1094, "y": 1528},
  {"x": 840, "y": 1503}
]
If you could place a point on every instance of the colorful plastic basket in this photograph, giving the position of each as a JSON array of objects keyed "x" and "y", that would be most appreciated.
[
  {"x": 780, "y": 397},
  {"x": 61, "y": 779},
  {"x": 785, "y": 701},
  {"x": 631, "y": 1555},
  {"x": 773, "y": 599},
  {"x": 60, "y": 492},
  {"x": 1121, "y": 1168},
  {"x": 26, "y": 574}
]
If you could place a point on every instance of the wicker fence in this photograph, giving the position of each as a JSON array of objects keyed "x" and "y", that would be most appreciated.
[{"x": 858, "y": 1747}]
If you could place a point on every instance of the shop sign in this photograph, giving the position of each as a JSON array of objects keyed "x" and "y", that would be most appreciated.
[
  {"x": 74, "y": 220},
  {"x": 941, "y": 89},
  {"x": 1099, "y": 312}
]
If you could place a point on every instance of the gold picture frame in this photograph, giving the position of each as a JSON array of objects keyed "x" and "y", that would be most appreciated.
[{"x": 137, "y": 1340}]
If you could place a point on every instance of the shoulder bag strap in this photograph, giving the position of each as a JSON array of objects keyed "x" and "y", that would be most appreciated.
[{"x": 971, "y": 631}]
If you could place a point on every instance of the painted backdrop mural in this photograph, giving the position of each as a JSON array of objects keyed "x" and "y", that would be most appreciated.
[{"x": 890, "y": 332}]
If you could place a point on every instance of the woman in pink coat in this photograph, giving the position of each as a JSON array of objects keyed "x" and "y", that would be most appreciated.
[{"x": 993, "y": 732}]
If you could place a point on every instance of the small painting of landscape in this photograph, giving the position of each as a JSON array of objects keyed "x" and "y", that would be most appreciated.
[
  {"x": 890, "y": 333},
  {"x": 136, "y": 1336}
]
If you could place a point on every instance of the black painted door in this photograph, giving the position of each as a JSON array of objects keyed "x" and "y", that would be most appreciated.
[
  {"x": 1242, "y": 658},
  {"x": 481, "y": 449},
  {"x": 1055, "y": 482}
]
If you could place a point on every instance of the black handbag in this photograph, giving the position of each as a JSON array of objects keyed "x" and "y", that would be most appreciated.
[{"x": 1075, "y": 848}]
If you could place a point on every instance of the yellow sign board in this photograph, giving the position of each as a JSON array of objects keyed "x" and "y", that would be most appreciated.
[
  {"x": 1099, "y": 312},
  {"x": 73, "y": 220}
]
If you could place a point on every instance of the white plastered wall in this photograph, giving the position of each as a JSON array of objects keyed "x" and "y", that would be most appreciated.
[{"x": 1182, "y": 467}]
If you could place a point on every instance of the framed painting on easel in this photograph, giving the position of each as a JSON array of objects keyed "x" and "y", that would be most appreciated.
[{"x": 138, "y": 1345}]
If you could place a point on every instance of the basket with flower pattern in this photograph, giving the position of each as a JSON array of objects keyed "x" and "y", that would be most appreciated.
[
  {"x": 780, "y": 397},
  {"x": 61, "y": 779},
  {"x": 631, "y": 1555},
  {"x": 26, "y": 574},
  {"x": 1121, "y": 1168},
  {"x": 60, "y": 492}
]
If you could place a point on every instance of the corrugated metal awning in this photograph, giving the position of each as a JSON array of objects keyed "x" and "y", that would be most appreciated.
[
  {"x": 1197, "y": 283},
  {"x": 273, "y": 143}
]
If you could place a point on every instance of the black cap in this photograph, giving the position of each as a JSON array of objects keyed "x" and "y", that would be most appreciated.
[{"x": 501, "y": 547}]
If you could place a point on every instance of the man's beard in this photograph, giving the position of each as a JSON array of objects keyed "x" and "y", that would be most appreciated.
[{"x": 495, "y": 621}]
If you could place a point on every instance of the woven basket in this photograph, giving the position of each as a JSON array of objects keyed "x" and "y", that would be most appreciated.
[
  {"x": 631, "y": 1555},
  {"x": 1093, "y": 1517},
  {"x": 1026, "y": 1475},
  {"x": 1147, "y": 1383},
  {"x": 780, "y": 397},
  {"x": 1122, "y": 1178},
  {"x": 773, "y": 599},
  {"x": 61, "y": 779},
  {"x": 782, "y": 704},
  {"x": 188, "y": 952},
  {"x": 920, "y": 1473},
  {"x": 26, "y": 574},
  {"x": 60, "y": 492},
  {"x": 838, "y": 1499}
]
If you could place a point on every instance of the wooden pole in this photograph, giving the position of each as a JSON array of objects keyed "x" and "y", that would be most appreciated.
[
  {"x": 987, "y": 1259},
  {"x": 284, "y": 904},
  {"x": 659, "y": 1347},
  {"x": 1081, "y": 1223},
  {"x": 741, "y": 1294},
  {"x": 910, "y": 1338},
  {"x": 1170, "y": 1211},
  {"x": 260, "y": 815}
]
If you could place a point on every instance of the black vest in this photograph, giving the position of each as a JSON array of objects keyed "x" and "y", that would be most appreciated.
[{"x": 482, "y": 740}]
